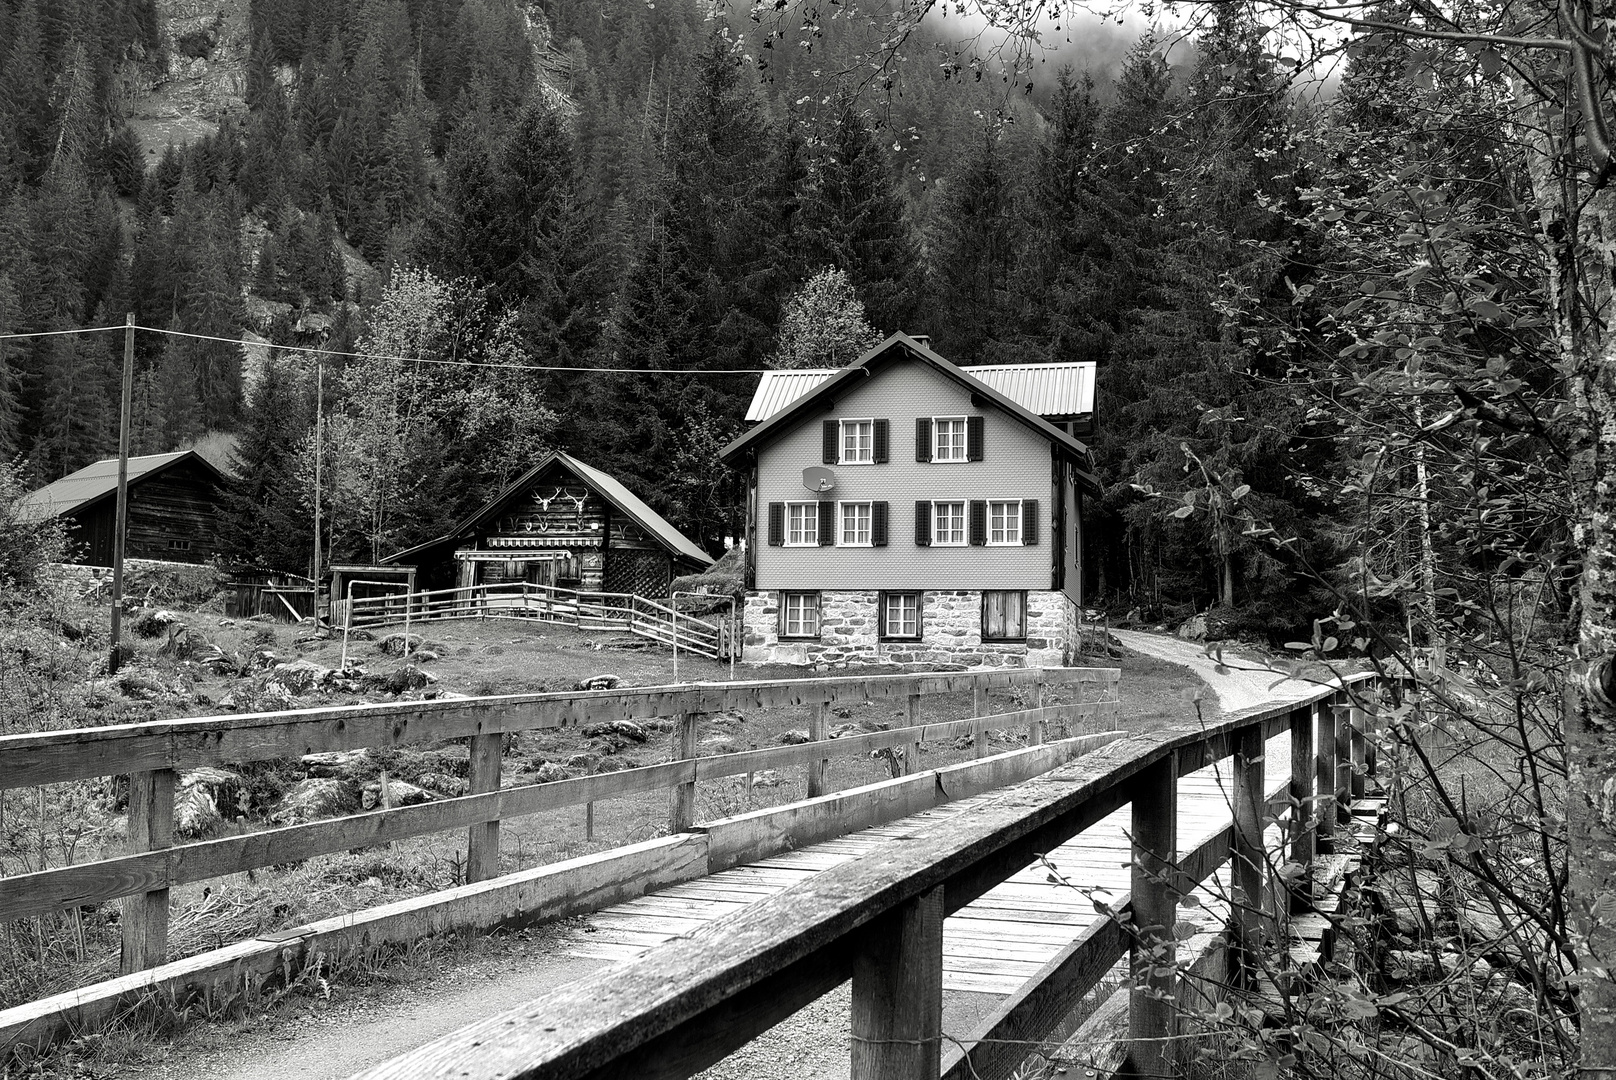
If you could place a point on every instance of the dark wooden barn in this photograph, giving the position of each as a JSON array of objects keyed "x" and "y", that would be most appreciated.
[
  {"x": 173, "y": 499},
  {"x": 562, "y": 523}
]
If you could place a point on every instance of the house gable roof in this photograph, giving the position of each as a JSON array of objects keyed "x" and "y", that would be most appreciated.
[
  {"x": 1064, "y": 390},
  {"x": 604, "y": 484},
  {"x": 97, "y": 481},
  {"x": 902, "y": 346}
]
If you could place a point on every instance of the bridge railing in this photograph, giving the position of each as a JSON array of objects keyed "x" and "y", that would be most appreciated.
[
  {"x": 879, "y": 922},
  {"x": 153, "y": 754}
]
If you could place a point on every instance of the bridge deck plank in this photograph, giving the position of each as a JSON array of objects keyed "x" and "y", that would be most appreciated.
[{"x": 989, "y": 947}]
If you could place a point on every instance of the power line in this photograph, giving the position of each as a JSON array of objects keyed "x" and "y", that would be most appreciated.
[
  {"x": 399, "y": 359},
  {"x": 60, "y": 333}
]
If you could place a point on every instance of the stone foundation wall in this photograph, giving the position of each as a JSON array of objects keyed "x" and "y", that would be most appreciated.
[
  {"x": 950, "y": 624},
  {"x": 168, "y": 582}
]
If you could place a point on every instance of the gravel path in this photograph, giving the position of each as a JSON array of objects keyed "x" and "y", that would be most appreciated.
[{"x": 1244, "y": 683}]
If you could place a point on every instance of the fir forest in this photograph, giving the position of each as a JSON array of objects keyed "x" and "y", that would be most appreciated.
[{"x": 1344, "y": 273}]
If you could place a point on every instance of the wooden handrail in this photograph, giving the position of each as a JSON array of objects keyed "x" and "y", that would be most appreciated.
[
  {"x": 690, "y": 1002},
  {"x": 82, "y": 753},
  {"x": 155, "y": 752},
  {"x": 107, "y": 879}
]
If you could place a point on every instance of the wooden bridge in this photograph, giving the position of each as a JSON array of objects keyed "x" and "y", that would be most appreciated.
[
  {"x": 153, "y": 754},
  {"x": 905, "y": 911},
  {"x": 950, "y": 879},
  {"x": 665, "y": 623}
]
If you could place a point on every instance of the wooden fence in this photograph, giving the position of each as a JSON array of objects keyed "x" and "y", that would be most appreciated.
[
  {"x": 547, "y": 603},
  {"x": 879, "y": 922},
  {"x": 154, "y": 754}
]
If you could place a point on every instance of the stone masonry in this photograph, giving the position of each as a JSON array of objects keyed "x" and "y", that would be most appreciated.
[{"x": 950, "y": 625}]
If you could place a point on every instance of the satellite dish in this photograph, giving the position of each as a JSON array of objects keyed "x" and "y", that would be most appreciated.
[{"x": 818, "y": 478}]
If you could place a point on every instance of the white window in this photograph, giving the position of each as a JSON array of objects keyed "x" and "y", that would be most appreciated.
[
  {"x": 1004, "y": 615},
  {"x": 799, "y": 614},
  {"x": 900, "y": 615},
  {"x": 856, "y": 524},
  {"x": 947, "y": 523},
  {"x": 948, "y": 438},
  {"x": 1004, "y": 522},
  {"x": 802, "y": 524},
  {"x": 858, "y": 442}
]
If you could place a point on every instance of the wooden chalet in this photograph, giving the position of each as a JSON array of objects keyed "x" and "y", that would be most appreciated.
[
  {"x": 173, "y": 501},
  {"x": 566, "y": 524}
]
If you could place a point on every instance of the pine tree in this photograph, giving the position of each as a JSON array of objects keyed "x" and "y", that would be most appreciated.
[
  {"x": 974, "y": 247},
  {"x": 262, "y": 520},
  {"x": 856, "y": 220}
]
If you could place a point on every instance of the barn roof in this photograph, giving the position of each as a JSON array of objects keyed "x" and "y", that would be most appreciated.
[
  {"x": 99, "y": 480},
  {"x": 1049, "y": 390},
  {"x": 606, "y": 485}
]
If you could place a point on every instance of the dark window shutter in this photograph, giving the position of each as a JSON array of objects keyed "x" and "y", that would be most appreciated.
[
  {"x": 979, "y": 522},
  {"x": 882, "y": 441},
  {"x": 1029, "y": 522},
  {"x": 777, "y": 524},
  {"x": 974, "y": 427},
  {"x": 922, "y": 438},
  {"x": 923, "y": 524},
  {"x": 878, "y": 524},
  {"x": 827, "y": 523},
  {"x": 831, "y": 432}
]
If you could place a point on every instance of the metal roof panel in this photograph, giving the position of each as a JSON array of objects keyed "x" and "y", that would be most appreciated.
[{"x": 1065, "y": 389}]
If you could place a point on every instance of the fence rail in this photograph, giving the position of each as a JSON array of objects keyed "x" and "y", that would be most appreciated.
[
  {"x": 547, "y": 603},
  {"x": 878, "y": 921},
  {"x": 155, "y": 753}
]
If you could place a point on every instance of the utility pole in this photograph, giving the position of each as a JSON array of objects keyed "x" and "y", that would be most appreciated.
[
  {"x": 123, "y": 488},
  {"x": 319, "y": 418}
]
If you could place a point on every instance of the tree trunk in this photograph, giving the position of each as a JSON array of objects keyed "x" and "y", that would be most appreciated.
[{"x": 1591, "y": 712}]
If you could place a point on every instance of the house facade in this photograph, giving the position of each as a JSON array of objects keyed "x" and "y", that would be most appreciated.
[
  {"x": 562, "y": 523},
  {"x": 903, "y": 510},
  {"x": 173, "y": 508}
]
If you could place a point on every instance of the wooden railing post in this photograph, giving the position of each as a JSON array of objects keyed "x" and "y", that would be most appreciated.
[
  {"x": 1152, "y": 1004},
  {"x": 818, "y": 731},
  {"x": 151, "y": 828},
  {"x": 898, "y": 995},
  {"x": 684, "y": 795},
  {"x": 1248, "y": 855},
  {"x": 1035, "y": 730},
  {"x": 1359, "y": 762},
  {"x": 1343, "y": 763},
  {"x": 482, "y": 840},
  {"x": 911, "y": 758},
  {"x": 1324, "y": 779},
  {"x": 1301, "y": 799},
  {"x": 980, "y": 707}
]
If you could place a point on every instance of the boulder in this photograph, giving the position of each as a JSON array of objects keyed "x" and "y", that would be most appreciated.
[
  {"x": 442, "y": 783},
  {"x": 396, "y": 644},
  {"x": 347, "y": 764},
  {"x": 598, "y": 682},
  {"x": 549, "y": 772},
  {"x": 612, "y": 764},
  {"x": 725, "y": 719},
  {"x": 793, "y": 736},
  {"x": 317, "y": 797},
  {"x": 584, "y": 763},
  {"x": 841, "y": 731},
  {"x": 207, "y": 796},
  {"x": 717, "y": 744},
  {"x": 625, "y": 729},
  {"x": 399, "y": 793},
  {"x": 768, "y": 778},
  {"x": 1193, "y": 628},
  {"x": 299, "y": 677}
]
